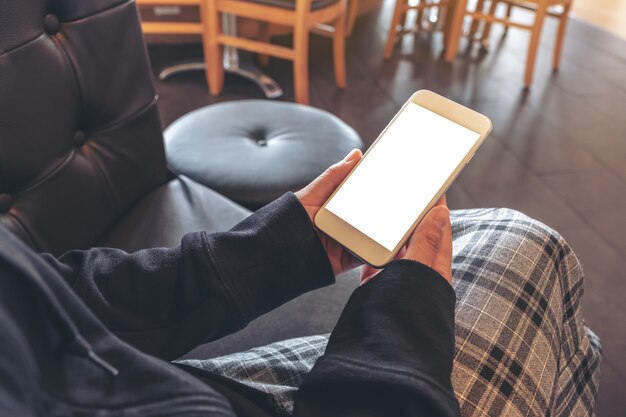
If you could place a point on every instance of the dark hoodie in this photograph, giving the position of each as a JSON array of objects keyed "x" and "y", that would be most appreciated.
[{"x": 91, "y": 333}]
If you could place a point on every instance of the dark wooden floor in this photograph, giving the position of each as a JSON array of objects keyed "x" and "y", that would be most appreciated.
[{"x": 557, "y": 153}]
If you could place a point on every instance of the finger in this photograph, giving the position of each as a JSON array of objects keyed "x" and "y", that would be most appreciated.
[
  {"x": 443, "y": 201},
  {"x": 348, "y": 260},
  {"x": 323, "y": 186},
  {"x": 401, "y": 252},
  {"x": 429, "y": 242},
  {"x": 443, "y": 259},
  {"x": 368, "y": 272},
  {"x": 337, "y": 172}
]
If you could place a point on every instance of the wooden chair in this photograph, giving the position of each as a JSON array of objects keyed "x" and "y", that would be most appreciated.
[
  {"x": 542, "y": 8},
  {"x": 352, "y": 14},
  {"x": 398, "y": 21},
  {"x": 178, "y": 28},
  {"x": 484, "y": 37},
  {"x": 172, "y": 27},
  {"x": 303, "y": 16}
]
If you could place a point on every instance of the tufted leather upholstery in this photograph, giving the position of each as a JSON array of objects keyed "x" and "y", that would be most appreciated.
[
  {"x": 79, "y": 130},
  {"x": 81, "y": 152},
  {"x": 80, "y": 137}
]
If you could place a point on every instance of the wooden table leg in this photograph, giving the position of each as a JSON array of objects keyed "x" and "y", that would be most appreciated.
[{"x": 453, "y": 28}]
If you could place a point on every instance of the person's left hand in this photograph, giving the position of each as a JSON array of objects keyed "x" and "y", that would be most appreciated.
[
  {"x": 429, "y": 244},
  {"x": 313, "y": 197}
]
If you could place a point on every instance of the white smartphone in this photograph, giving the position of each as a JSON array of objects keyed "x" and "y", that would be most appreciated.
[{"x": 402, "y": 175}]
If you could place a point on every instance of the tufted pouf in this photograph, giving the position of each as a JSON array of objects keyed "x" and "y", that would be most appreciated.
[{"x": 253, "y": 151}]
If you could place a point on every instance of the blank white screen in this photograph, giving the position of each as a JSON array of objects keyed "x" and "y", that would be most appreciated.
[{"x": 401, "y": 174}]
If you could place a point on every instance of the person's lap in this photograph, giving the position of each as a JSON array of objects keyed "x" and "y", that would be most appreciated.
[{"x": 522, "y": 347}]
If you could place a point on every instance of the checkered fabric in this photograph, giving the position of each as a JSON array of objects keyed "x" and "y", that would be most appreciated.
[
  {"x": 275, "y": 369},
  {"x": 522, "y": 348}
]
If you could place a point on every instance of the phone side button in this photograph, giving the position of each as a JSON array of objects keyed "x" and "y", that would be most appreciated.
[{"x": 470, "y": 158}]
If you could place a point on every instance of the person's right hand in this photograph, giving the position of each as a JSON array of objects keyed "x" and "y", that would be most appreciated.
[{"x": 430, "y": 244}]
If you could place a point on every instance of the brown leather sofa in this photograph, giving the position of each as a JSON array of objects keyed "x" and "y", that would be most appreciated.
[{"x": 82, "y": 160}]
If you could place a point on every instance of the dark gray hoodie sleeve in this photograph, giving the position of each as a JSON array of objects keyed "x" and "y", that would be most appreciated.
[
  {"x": 391, "y": 352},
  {"x": 166, "y": 301}
]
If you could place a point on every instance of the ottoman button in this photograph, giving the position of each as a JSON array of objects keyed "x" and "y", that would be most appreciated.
[{"x": 259, "y": 137}]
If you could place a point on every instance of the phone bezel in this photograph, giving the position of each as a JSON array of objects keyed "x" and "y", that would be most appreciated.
[{"x": 362, "y": 245}]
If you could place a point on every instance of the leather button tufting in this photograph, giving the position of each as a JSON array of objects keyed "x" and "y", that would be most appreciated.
[
  {"x": 5, "y": 202},
  {"x": 259, "y": 137},
  {"x": 79, "y": 138},
  {"x": 52, "y": 24}
]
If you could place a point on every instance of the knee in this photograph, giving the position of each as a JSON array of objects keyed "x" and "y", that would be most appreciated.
[{"x": 516, "y": 250}]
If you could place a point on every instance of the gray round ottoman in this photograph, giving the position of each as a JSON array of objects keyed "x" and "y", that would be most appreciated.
[{"x": 253, "y": 151}]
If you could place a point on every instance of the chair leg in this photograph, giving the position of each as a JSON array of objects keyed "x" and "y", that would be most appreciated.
[
  {"x": 419, "y": 19},
  {"x": 487, "y": 29},
  {"x": 212, "y": 49},
  {"x": 339, "y": 51},
  {"x": 403, "y": 17},
  {"x": 454, "y": 28},
  {"x": 439, "y": 15},
  {"x": 264, "y": 36},
  {"x": 480, "y": 7},
  {"x": 301, "y": 63},
  {"x": 353, "y": 11},
  {"x": 534, "y": 43},
  {"x": 509, "y": 11},
  {"x": 393, "y": 28},
  {"x": 560, "y": 36}
]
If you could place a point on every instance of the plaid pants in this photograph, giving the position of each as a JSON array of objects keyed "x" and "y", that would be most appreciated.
[{"x": 522, "y": 348}]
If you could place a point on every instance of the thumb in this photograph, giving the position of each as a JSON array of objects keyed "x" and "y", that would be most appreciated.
[
  {"x": 337, "y": 172},
  {"x": 431, "y": 242},
  {"x": 323, "y": 186}
]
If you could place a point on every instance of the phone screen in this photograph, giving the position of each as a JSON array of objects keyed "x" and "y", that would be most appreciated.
[{"x": 401, "y": 174}]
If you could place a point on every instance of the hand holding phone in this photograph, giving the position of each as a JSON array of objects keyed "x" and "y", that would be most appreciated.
[
  {"x": 429, "y": 244},
  {"x": 403, "y": 174},
  {"x": 313, "y": 197}
]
